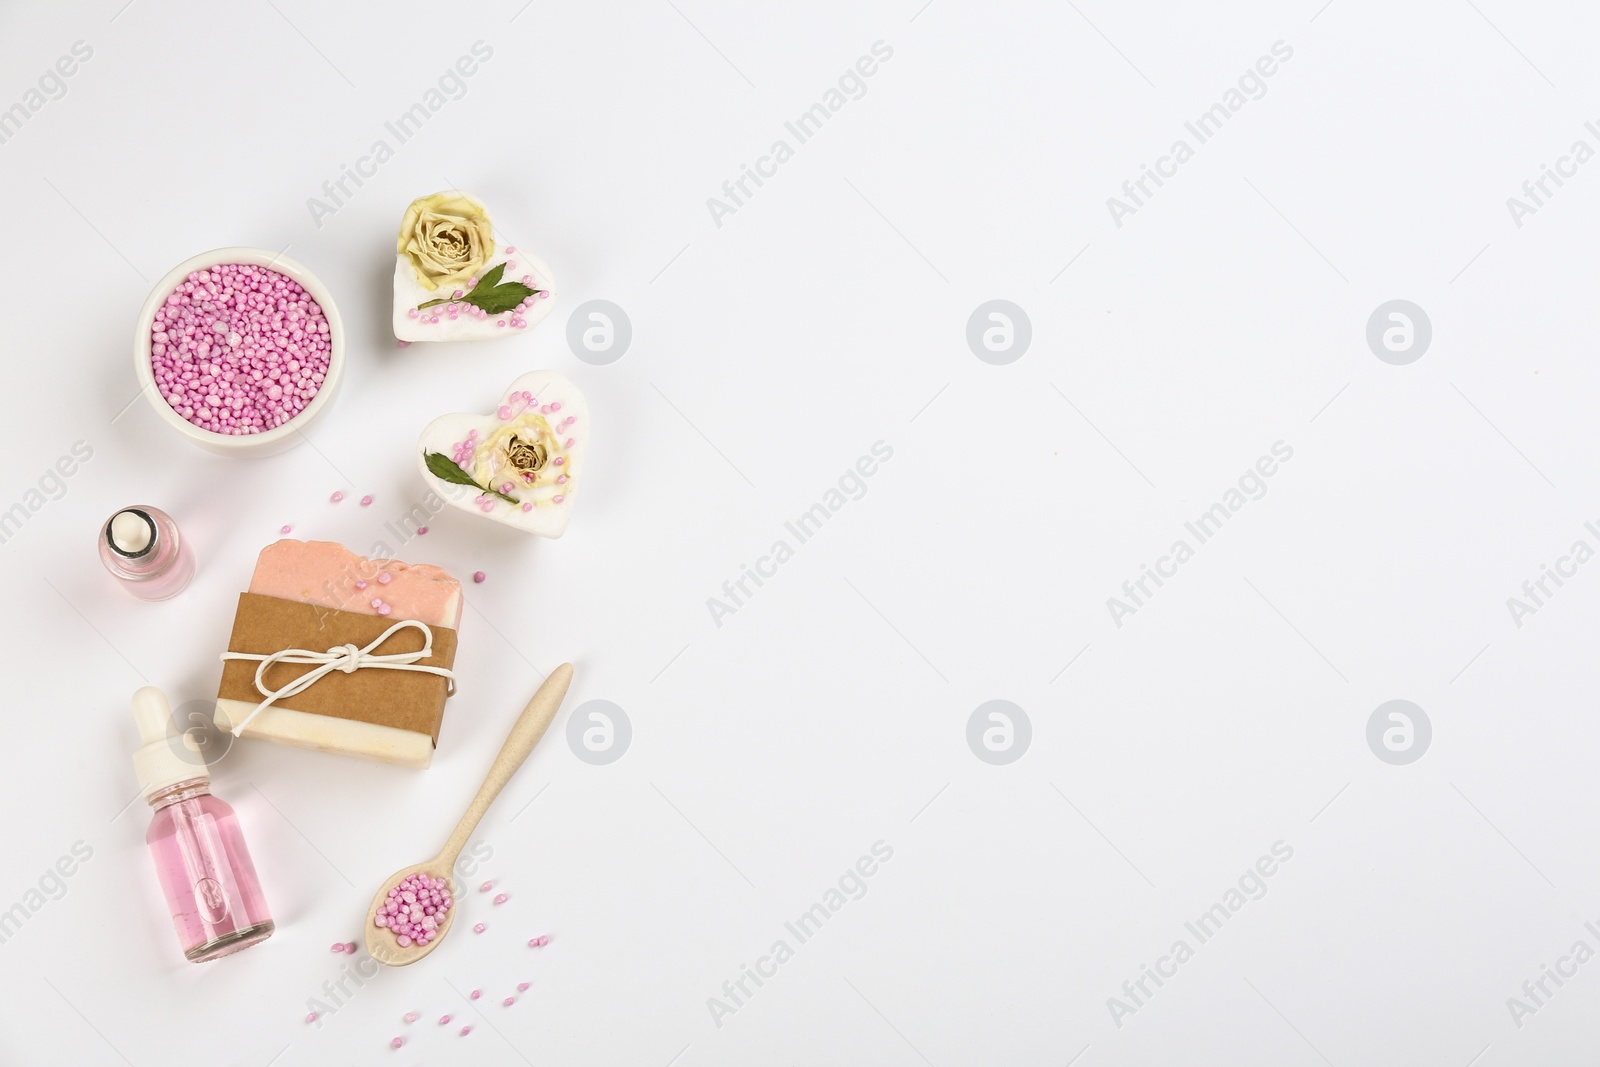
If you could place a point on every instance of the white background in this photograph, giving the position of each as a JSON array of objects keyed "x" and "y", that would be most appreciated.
[{"x": 830, "y": 712}]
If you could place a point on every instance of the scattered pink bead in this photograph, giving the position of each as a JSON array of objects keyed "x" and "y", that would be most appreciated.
[
  {"x": 486, "y": 886},
  {"x": 465, "y": 1030},
  {"x": 539, "y": 942},
  {"x": 311, "y": 1018},
  {"x": 444, "y": 1020},
  {"x": 543, "y": 293},
  {"x": 397, "y": 1042},
  {"x": 384, "y": 577},
  {"x": 361, "y": 585},
  {"x": 350, "y": 947},
  {"x": 285, "y": 528},
  {"x": 511, "y": 264},
  {"x": 402, "y": 344},
  {"x": 384, "y": 609},
  {"x": 338, "y": 946},
  {"x": 501, "y": 898},
  {"x": 528, "y": 506},
  {"x": 476, "y": 993},
  {"x": 509, "y": 1001},
  {"x": 479, "y": 928},
  {"x": 478, "y": 576},
  {"x": 412, "y": 312},
  {"x": 510, "y": 249},
  {"x": 421, "y": 530},
  {"x": 410, "y": 1016},
  {"x": 336, "y": 497},
  {"x": 366, "y": 500},
  {"x": 558, "y": 498},
  {"x": 504, "y": 413},
  {"x": 238, "y": 349},
  {"x": 522, "y": 987}
]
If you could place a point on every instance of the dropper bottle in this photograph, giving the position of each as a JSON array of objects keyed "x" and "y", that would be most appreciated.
[{"x": 201, "y": 859}]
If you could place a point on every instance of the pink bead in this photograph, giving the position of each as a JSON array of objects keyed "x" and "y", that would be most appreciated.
[
  {"x": 410, "y": 1016},
  {"x": 238, "y": 350},
  {"x": 338, "y": 946},
  {"x": 285, "y": 528},
  {"x": 558, "y": 498},
  {"x": 500, "y": 322},
  {"x": 421, "y": 530},
  {"x": 444, "y": 1020},
  {"x": 501, "y": 898},
  {"x": 504, "y": 413},
  {"x": 403, "y": 344},
  {"x": 336, "y": 497},
  {"x": 365, "y": 501},
  {"x": 543, "y": 293},
  {"x": 404, "y": 941},
  {"x": 384, "y": 577},
  {"x": 511, "y": 264},
  {"x": 522, "y": 987},
  {"x": 560, "y": 460},
  {"x": 350, "y": 947},
  {"x": 479, "y": 928},
  {"x": 412, "y": 312},
  {"x": 465, "y": 1030},
  {"x": 479, "y": 576},
  {"x": 361, "y": 585},
  {"x": 509, "y": 1001},
  {"x": 384, "y": 609},
  {"x": 397, "y": 1042},
  {"x": 475, "y": 994},
  {"x": 311, "y": 1018},
  {"x": 486, "y": 886},
  {"x": 528, "y": 506}
]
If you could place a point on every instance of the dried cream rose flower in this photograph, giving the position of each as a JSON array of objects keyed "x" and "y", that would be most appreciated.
[{"x": 447, "y": 237}]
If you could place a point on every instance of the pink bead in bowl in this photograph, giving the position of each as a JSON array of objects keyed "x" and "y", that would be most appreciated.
[{"x": 228, "y": 348}]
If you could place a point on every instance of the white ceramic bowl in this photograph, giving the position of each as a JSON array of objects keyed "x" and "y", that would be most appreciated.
[{"x": 256, "y": 444}]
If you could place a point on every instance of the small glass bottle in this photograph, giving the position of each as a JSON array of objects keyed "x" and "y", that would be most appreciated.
[
  {"x": 201, "y": 859},
  {"x": 141, "y": 546}
]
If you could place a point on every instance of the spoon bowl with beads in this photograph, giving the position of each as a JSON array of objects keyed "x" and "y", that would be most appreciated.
[{"x": 435, "y": 877}]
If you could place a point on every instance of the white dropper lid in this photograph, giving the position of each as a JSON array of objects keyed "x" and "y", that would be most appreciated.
[
  {"x": 164, "y": 758},
  {"x": 131, "y": 532}
]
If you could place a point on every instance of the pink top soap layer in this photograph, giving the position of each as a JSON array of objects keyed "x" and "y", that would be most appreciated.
[{"x": 327, "y": 574}]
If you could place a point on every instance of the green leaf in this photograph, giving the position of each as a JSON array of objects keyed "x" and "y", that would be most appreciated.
[
  {"x": 499, "y": 299},
  {"x": 446, "y": 469},
  {"x": 491, "y": 279}
]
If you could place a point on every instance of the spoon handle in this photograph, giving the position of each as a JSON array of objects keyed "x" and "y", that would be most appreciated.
[{"x": 525, "y": 733}]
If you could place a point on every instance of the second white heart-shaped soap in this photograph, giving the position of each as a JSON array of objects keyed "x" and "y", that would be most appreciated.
[{"x": 525, "y": 460}]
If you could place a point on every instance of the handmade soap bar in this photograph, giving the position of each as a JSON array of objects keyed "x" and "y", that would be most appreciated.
[
  {"x": 520, "y": 465},
  {"x": 453, "y": 281},
  {"x": 319, "y": 597}
]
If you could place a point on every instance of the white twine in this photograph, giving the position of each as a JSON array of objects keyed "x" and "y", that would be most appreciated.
[{"x": 347, "y": 658}]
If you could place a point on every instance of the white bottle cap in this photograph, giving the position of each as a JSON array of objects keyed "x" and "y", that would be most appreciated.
[
  {"x": 165, "y": 757},
  {"x": 131, "y": 532}
]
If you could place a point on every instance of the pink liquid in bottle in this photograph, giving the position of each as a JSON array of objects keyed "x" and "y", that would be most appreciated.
[
  {"x": 205, "y": 870},
  {"x": 206, "y": 875},
  {"x": 142, "y": 547}
]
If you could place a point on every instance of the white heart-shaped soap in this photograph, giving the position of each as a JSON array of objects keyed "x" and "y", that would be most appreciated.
[
  {"x": 519, "y": 465},
  {"x": 454, "y": 280}
]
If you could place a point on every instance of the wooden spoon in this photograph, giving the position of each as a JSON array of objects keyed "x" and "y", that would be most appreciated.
[{"x": 525, "y": 733}]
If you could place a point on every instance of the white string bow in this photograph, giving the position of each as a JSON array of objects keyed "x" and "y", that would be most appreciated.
[{"x": 347, "y": 658}]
